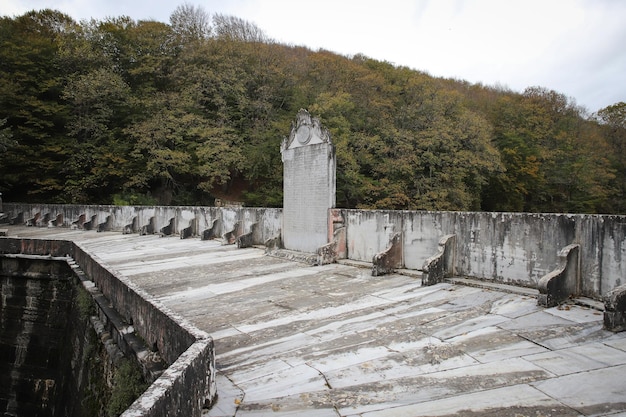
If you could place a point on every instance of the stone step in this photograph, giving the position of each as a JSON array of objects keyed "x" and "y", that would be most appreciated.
[
  {"x": 513, "y": 289},
  {"x": 589, "y": 302},
  {"x": 303, "y": 257},
  {"x": 352, "y": 262},
  {"x": 497, "y": 286}
]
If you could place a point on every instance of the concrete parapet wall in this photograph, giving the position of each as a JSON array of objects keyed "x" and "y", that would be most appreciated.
[
  {"x": 515, "y": 248},
  {"x": 193, "y": 386},
  {"x": 44, "y": 247},
  {"x": 370, "y": 231},
  {"x": 179, "y": 390},
  {"x": 161, "y": 329},
  {"x": 158, "y": 219}
]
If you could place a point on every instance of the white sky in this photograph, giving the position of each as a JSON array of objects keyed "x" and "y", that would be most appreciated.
[{"x": 576, "y": 47}]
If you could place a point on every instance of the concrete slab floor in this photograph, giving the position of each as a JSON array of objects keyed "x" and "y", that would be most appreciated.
[{"x": 292, "y": 339}]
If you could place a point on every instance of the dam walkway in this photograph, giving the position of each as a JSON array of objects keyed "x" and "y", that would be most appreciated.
[{"x": 299, "y": 340}]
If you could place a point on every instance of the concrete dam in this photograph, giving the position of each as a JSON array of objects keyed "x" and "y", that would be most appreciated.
[
  {"x": 37, "y": 320},
  {"x": 319, "y": 311},
  {"x": 68, "y": 330}
]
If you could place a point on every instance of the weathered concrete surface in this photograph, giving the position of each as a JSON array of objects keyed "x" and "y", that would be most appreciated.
[
  {"x": 513, "y": 248},
  {"x": 35, "y": 309},
  {"x": 332, "y": 340},
  {"x": 167, "y": 220}
]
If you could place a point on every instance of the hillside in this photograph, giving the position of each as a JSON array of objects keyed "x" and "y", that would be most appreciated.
[{"x": 142, "y": 112}]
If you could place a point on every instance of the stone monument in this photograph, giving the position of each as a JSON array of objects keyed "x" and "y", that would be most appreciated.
[{"x": 309, "y": 174}]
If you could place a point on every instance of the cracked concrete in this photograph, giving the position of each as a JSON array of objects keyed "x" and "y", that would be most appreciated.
[{"x": 332, "y": 340}]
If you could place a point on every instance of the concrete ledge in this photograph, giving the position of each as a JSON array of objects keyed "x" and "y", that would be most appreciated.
[
  {"x": 231, "y": 236},
  {"x": 78, "y": 223},
  {"x": 58, "y": 221},
  {"x": 356, "y": 264},
  {"x": 489, "y": 285},
  {"x": 327, "y": 254},
  {"x": 389, "y": 260},
  {"x": 129, "y": 228},
  {"x": 92, "y": 224},
  {"x": 43, "y": 247},
  {"x": 34, "y": 220},
  {"x": 190, "y": 385},
  {"x": 615, "y": 309},
  {"x": 563, "y": 282},
  {"x": 247, "y": 240},
  {"x": 214, "y": 231},
  {"x": 148, "y": 229},
  {"x": 273, "y": 243},
  {"x": 441, "y": 265},
  {"x": 106, "y": 225},
  {"x": 169, "y": 229},
  {"x": 337, "y": 248},
  {"x": 190, "y": 230},
  {"x": 292, "y": 255},
  {"x": 17, "y": 219}
]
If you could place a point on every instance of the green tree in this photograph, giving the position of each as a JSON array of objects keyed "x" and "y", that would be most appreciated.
[
  {"x": 152, "y": 55},
  {"x": 190, "y": 23},
  {"x": 554, "y": 159},
  {"x": 30, "y": 100},
  {"x": 613, "y": 124},
  {"x": 520, "y": 186},
  {"x": 236, "y": 29},
  {"x": 160, "y": 157},
  {"x": 96, "y": 159},
  {"x": 184, "y": 112},
  {"x": 5, "y": 137}
]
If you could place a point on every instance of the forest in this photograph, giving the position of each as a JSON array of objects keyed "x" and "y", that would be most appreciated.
[{"x": 118, "y": 111}]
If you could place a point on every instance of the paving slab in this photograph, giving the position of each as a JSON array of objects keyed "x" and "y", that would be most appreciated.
[
  {"x": 578, "y": 359},
  {"x": 296, "y": 340},
  {"x": 617, "y": 342},
  {"x": 514, "y": 306},
  {"x": 470, "y": 325},
  {"x": 491, "y": 344},
  {"x": 516, "y": 400},
  {"x": 576, "y": 313},
  {"x": 423, "y": 388},
  {"x": 593, "y": 392},
  {"x": 230, "y": 396},
  {"x": 296, "y": 380}
]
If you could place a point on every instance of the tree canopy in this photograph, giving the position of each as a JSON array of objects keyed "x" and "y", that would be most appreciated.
[{"x": 142, "y": 112}]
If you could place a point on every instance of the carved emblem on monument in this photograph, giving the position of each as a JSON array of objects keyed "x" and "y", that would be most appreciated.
[
  {"x": 306, "y": 130},
  {"x": 303, "y": 134}
]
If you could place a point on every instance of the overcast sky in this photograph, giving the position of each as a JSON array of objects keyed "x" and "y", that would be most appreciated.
[{"x": 576, "y": 47}]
